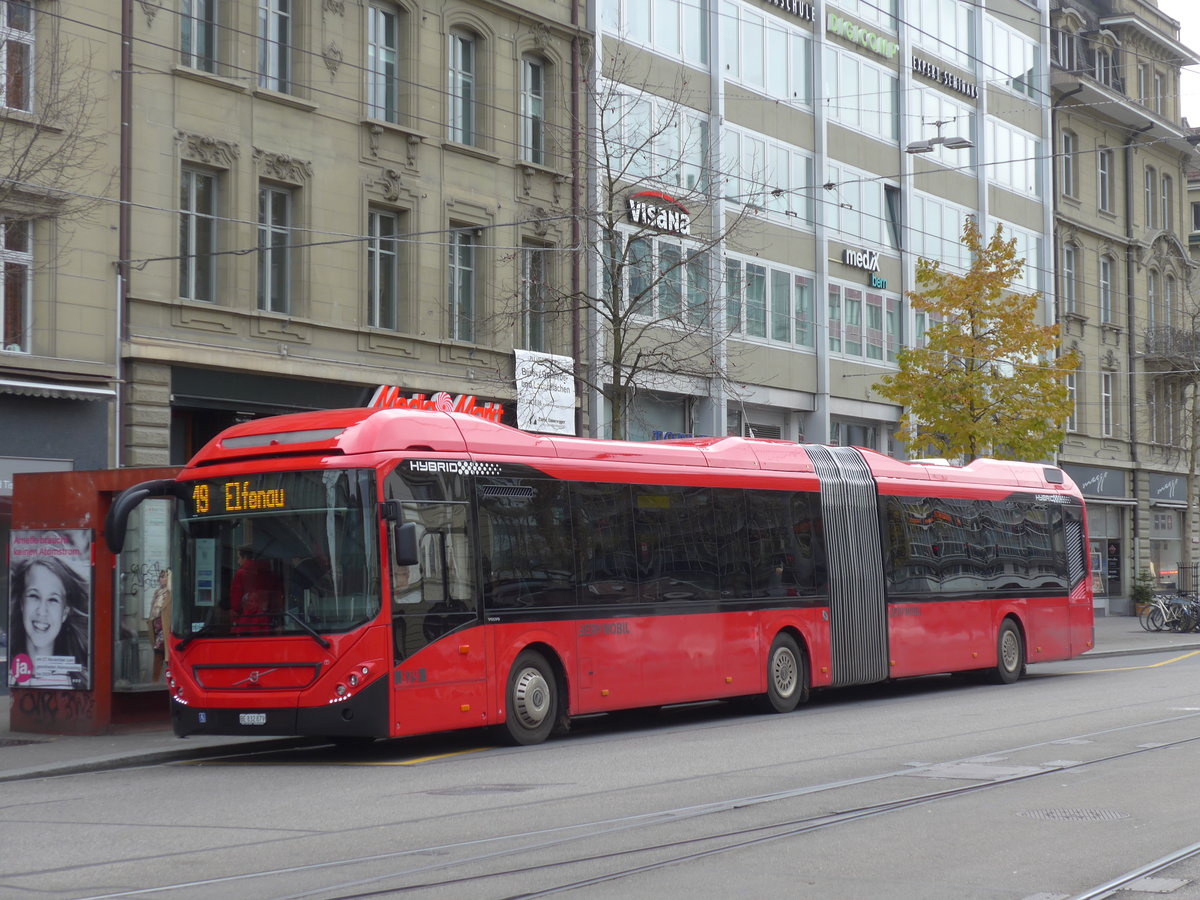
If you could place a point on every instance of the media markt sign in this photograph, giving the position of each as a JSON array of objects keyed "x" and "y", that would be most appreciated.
[
  {"x": 654, "y": 209},
  {"x": 389, "y": 397}
]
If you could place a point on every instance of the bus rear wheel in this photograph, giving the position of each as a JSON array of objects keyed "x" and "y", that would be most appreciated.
[
  {"x": 787, "y": 676},
  {"x": 1010, "y": 654},
  {"x": 532, "y": 707}
]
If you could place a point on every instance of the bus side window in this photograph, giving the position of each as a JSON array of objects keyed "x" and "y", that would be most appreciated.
[{"x": 526, "y": 543}]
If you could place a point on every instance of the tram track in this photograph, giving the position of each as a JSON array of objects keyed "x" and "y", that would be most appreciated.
[
  {"x": 487, "y": 854},
  {"x": 1126, "y": 879}
]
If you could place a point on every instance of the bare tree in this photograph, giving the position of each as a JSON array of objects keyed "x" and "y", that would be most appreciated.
[
  {"x": 651, "y": 315},
  {"x": 51, "y": 142}
]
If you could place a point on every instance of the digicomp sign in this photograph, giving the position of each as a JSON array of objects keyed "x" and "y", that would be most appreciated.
[{"x": 855, "y": 33}]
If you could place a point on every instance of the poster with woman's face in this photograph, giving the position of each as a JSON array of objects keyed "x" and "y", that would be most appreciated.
[{"x": 49, "y": 611}]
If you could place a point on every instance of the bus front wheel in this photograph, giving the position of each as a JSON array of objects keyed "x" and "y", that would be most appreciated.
[
  {"x": 787, "y": 676},
  {"x": 532, "y": 699},
  {"x": 1010, "y": 654}
]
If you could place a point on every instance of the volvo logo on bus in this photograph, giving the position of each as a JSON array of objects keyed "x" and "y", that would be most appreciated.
[{"x": 655, "y": 209}]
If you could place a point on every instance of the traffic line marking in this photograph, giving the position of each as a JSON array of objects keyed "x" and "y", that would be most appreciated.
[{"x": 1165, "y": 662}]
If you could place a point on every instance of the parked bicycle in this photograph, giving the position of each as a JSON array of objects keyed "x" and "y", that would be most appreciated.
[{"x": 1171, "y": 612}]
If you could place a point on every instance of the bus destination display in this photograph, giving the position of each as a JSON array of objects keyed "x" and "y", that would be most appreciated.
[{"x": 235, "y": 496}]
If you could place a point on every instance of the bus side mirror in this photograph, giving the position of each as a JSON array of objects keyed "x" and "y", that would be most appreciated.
[
  {"x": 116, "y": 520},
  {"x": 404, "y": 545}
]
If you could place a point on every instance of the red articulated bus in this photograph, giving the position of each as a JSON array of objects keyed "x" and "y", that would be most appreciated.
[{"x": 378, "y": 573}]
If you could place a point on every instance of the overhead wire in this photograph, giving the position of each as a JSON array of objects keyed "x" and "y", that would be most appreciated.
[{"x": 336, "y": 237}]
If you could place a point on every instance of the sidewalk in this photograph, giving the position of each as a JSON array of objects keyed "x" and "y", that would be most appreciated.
[{"x": 33, "y": 755}]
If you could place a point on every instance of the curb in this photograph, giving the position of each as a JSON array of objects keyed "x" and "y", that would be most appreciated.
[{"x": 156, "y": 757}]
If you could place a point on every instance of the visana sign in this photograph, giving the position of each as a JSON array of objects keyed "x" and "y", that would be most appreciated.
[
  {"x": 657, "y": 210},
  {"x": 388, "y": 397},
  {"x": 851, "y": 31}
]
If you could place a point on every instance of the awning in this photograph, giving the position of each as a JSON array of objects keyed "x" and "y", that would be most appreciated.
[{"x": 55, "y": 390}]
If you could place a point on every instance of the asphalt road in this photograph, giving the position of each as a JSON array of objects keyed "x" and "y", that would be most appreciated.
[{"x": 936, "y": 788}]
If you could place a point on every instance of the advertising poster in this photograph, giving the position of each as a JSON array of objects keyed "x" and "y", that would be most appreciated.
[
  {"x": 545, "y": 392},
  {"x": 49, "y": 610}
]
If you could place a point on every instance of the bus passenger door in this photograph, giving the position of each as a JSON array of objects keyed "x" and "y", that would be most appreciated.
[{"x": 440, "y": 676}]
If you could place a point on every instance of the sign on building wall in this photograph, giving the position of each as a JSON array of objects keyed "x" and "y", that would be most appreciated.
[
  {"x": 1168, "y": 489},
  {"x": 864, "y": 37},
  {"x": 391, "y": 397},
  {"x": 1094, "y": 481},
  {"x": 50, "y": 609},
  {"x": 934, "y": 72},
  {"x": 545, "y": 393},
  {"x": 654, "y": 209}
]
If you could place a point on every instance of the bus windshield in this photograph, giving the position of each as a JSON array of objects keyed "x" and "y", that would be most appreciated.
[{"x": 277, "y": 553}]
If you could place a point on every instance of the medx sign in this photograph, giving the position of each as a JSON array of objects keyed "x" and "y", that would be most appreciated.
[{"x": 862, "y": 259}]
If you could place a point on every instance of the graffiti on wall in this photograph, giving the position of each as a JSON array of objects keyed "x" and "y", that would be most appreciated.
[{"x": 57, "y": 710}]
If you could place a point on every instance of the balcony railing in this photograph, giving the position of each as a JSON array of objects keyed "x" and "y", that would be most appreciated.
[{"x": 1167, "y": 342}]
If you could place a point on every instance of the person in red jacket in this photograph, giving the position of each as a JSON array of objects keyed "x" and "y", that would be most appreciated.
[{"x": 255, "y": 594}]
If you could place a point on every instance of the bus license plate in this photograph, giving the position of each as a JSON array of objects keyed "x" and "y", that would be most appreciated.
[{"x": 252, "y": 718}]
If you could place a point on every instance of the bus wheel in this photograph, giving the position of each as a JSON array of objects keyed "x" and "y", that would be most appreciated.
[
  {"x": 532, "y": 699},
  {"x": 787, "y": 676},
  {"x": 1010, "y": 654}
]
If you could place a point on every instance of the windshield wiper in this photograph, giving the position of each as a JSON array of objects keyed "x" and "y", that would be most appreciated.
[
  {"x": 191, "y": 637},
  {"x": 313, "y": 633}
]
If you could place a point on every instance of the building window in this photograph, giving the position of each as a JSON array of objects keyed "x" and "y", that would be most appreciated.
[
  {"x": 1167, "y": 204},
  {"x": 1153, "y": 314},
  {"x": 1070, "y": 180},
  {"x": 462, "y": 283},
  {"x": 1104, "y": 187},
  {"x": 860, "y": 95},
  {"x": 535, "y": 263},
  {"x": 16, "y": 54},
  {"x": 1104, "y": 66},
  {"x": 666, "y": 27},
  {"x": 1107, "y": 385},
  {"x": 383, "y": 55},
  {"x": 1012, "y": 55},
  {"x": 1151, "y": 197},
  {"x": 383, "y": 269},
  {"x": 1196, "y": 217},
  {"x": 533, "y": 110},
  {"x": 462, "y": 88},
  {"x": 1159, "y": 92},
  {"x": 771, "y": 176},
  {"x": 1068, "y": 279},
  {"x": 1162, "y": 413},
  {"x": 1072, "y": 422},
  {"x": 1064, "y": 49},
  {"x": 274, "y": 33},
  {"x": 1142, "y": 81},
  {"x": 274, "y": 248},
  {"x": 198, "y": 34},
  {"x": 16, "y": 288},
  {"x": 197, "y": 235},
  {"x": 1168, "y": 317},
  {"x": 1106, "y": 298}
]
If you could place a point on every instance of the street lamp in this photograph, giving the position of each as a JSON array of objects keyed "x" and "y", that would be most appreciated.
[{"x": 954, "y": 142}]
